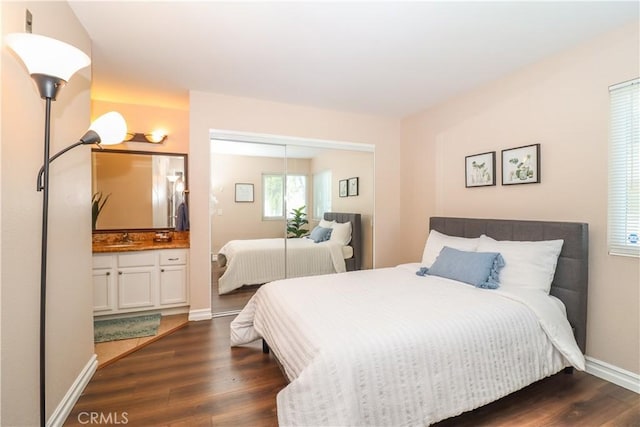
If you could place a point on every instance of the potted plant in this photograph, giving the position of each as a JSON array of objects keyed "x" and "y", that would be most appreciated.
[
  {"x": 97, "y": 203},
  {"x": 297, "y": 222}
]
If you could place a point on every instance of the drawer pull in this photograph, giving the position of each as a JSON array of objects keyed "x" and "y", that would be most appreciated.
[
  {"x": 120, "y": 273},
  {"x": 108, "y": 273},
  {"x": 173, "y": 259},
  {"x": 162, "y": 270}
]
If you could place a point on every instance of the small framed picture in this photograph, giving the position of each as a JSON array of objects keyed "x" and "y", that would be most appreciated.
[
  {"x": 480, "y": 170},
  {"x": 353, "y": 187},
  {"x": 342, "y": 188},
  {"x": 521, "y": 165},
  {"x": 244, "y": 193}
]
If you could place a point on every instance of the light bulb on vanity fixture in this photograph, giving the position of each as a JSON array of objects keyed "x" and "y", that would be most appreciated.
[
  {"x": 154, "y": 137},
  {"x": 51, "y": 63}
]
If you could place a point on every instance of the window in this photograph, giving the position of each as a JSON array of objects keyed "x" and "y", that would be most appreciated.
[
  {"x": 273, "y": 189},
  {"x": 624, "y": 169},
  {"x": 321, "y": 194}
]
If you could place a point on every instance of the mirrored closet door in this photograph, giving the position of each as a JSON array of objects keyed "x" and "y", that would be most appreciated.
[
  {"x": 267, "y": 198},
  {"x": 247, "y": 205}
]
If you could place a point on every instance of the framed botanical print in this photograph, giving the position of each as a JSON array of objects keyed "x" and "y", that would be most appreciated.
[
  {"x": 521, "y": 165},
  {"x": 480, "y": 170},
  {"x": 353, "y": 187},
  {"x": 342, "y": 188}
]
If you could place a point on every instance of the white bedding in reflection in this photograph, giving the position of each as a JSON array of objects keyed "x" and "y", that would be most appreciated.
[{"x": 252, "y": 262}]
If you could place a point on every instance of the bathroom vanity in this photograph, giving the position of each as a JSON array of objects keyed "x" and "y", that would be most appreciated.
[
  {"x": 140, "y": 236},
  {"x": 140, "y": 275}
]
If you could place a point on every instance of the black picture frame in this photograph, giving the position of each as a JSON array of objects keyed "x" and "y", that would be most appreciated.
[
  {"x": 480, "y": 170},
  {"x": 521, "y": 165},
  {"x": 343, "y": 185},
  {"x": 353, "y": 187}
]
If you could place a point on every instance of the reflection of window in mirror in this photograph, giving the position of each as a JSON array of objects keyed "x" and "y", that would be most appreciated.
[{"x": 273, "y": 192}]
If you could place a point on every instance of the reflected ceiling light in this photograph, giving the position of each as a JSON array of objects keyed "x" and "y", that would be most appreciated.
[{"x": 155, "y": 137}]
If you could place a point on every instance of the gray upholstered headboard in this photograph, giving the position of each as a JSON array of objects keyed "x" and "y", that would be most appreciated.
[
  {"x": 355, "y": 262},
  {"x": 572, "y": 272}
]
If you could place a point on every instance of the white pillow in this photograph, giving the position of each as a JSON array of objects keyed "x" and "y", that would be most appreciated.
[
  {"x": 326, "y": 224},
  {"x": 341, "y": 232},
  {"x": 530, "y": 265},
  {"x": 436, "y": 241}
]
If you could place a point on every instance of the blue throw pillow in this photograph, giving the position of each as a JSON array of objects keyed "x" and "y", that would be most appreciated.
[
  {"x": 320, "y": 234},
  {"x": 480, "y": 269}
]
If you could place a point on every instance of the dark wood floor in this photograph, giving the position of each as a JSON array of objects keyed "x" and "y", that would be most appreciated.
[
  {"x": 192, "y": 378},
  {"x": 232, "y": 301}
]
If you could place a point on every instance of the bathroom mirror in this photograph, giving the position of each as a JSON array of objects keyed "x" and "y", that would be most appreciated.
[{"x": 138, "y": 189}]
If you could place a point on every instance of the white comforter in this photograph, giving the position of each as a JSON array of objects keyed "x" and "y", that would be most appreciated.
[
  {"x": 252, "y": 262},
  {"x": 388, "y": 348}
]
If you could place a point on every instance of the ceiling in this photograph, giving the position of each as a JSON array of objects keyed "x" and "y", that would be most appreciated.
[{"x": 382, "y": 58}]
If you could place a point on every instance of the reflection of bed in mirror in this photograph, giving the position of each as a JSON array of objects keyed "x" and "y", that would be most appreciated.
[{"x": 258, "y": 261}]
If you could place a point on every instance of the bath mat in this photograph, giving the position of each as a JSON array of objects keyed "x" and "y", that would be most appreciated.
[{"x": 126, "y": 327}]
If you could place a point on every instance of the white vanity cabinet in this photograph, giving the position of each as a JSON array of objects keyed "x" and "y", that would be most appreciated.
[
  {"x": 173, "y": 277},
  {"x": 143, "y": 280},
  {"x": 137, "y": 280},
  {"x": 104, "y": 284}
]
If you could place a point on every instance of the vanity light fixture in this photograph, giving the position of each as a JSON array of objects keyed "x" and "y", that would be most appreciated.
[
  {"x": 155, "y": 137},
  {"x": 51, "y": 63}
]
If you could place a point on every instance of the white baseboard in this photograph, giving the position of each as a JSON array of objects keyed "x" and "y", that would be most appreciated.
[
  {"x": 226, "y": 313},
  {"x": 63, "y": 410},
  {"x": 202, "y": 314},
  {"x": 613, "y": 374}
]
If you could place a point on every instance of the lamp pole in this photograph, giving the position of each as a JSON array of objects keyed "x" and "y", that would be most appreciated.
[
  {"x": 48, "y": 86},
  {"x": 43, "y": 261}
]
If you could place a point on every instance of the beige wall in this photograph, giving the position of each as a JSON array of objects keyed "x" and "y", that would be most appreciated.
[
  {"x": 348, "y": 164},
  {"x": 142, "y": 118},
  {"x": 563, "y": 104},
  {"x": 213, "y": 111},
  {"x": 69, "y": 317}
]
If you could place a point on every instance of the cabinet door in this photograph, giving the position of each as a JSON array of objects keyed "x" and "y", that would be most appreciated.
[
  {"x": 136, "y": 287},
  {"x": 103, "y": 291},
  {"x": 173, "y": 284}
]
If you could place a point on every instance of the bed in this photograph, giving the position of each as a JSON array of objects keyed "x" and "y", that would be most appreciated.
[
  {"x": 258, "y": 261},
  {"x": 391, "y": 347}
]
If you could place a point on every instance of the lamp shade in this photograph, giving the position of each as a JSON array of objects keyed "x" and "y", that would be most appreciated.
[
  {"x": 110, "y": 127},
  {"x": 47, "y": 56}
]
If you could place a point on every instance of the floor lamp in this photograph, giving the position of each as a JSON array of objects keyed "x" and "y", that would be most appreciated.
[{"x": 51, "y": 63}]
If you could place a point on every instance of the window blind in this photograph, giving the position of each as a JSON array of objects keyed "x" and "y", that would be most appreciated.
[
  {"x": 321, "y": 194},
  {"x": 624, "y": 169}
]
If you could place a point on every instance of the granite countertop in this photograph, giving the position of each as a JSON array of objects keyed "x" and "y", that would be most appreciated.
[{"x": 106, "y": 242}]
